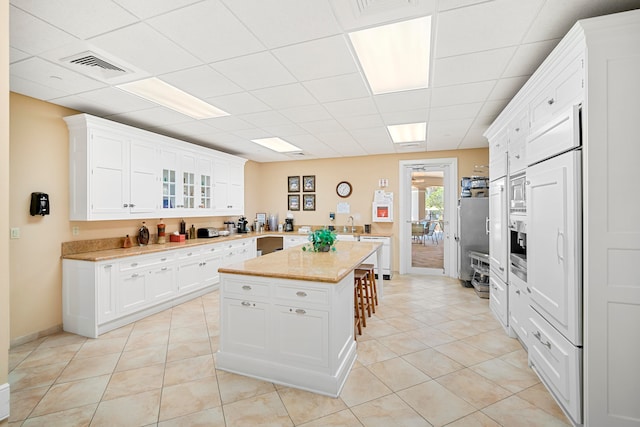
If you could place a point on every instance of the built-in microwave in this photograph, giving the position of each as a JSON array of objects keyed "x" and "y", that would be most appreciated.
[{"x": 518, "y": 193}]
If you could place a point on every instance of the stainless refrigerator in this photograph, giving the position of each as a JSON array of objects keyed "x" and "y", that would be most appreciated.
[{"x": 473, "y": 214}]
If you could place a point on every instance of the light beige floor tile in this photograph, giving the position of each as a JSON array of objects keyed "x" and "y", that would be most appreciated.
[
  {"x": 381, "y": 329},
  {"x": 72, "y": 395},
  {"x": 432, "y": 363},
  {"x": 514, "y": 411},
  {"x": 188, "y": 334},
  {"x": 50, "y": 355},
  {"x": 431, "y": 336},
  {"x": 339, "y": 419},
  {"x": 134, "y": 381},
  {"x": 28, "y": 346},
  {"x": 405, "y": 323},
  {"x": 235, "y": 387},
  {"x": 304, "y": 406},
  {"x": 63, "y": 339},
  {"x": 463, "y": 353},
  {"x": 101, "y": 347},
  {"x": 506, "y": 375},
  {"x": 209, "y": 418},
  {"x": 188, "y": 349},
  {"x": 477, "y": 419},
  {"x": 435, "y": 403},
  {"x": 123, "y": 331},
  {"x": 134, "y": 410},
  {"x": 15, "y": 358},
  {"x": 398, "y": 374},
  {"x": 143, "y": 357},
  {"x": 264, "y": 410},
  {"x": 34, "y": 377},
  {"x": 362, "y": 386},
  {"x": 518, "y": 358},
  {"x": 22, "y": 402},
  {"x": 372, "y": 351},
  {"x": 78, "y": 369},
  {"x": 185, "y": 370},
  {"x": 402, "y": 343},
  {"x": 146, "y": 340},
  {"x": 473, "y": 388},
  {"x": 189, "y": 397},
  {"x": 539, "y": 396},
  {"x": 388, "y": 411},
  {"x": 75, "y": 417},
  {"x": 496, "y": 342}
]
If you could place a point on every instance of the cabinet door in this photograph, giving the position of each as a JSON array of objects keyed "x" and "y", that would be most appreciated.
[
  {"x": 188, "y": 167},
  {"x": 169, "y": 166},
  {"x": 106, "y": 303},
  {"x": 236, "y": 189},
  {"x": 132, "y": 292},
  {"x": 499, "y": 300},
  {"x": 189, "y": 271},
  {"x": 498, "y": 155},
  {"x": 554, "y": 244},
  {"x": 498, "y": 228},
  {"x": 291, "y": 241},
  {"x": 205, "y": 184},
  {"x": 162, "y": 283},
  {"x": 245, "y": 325},
  {"x": 302, "y": 335},
  {"x": 221, "y": 185},
  {"x": 144, "y": 187},
  {"x": 109, "y": 177},
  {"x": 211, "y": 261},
  {"x": 518, "y": 311}
]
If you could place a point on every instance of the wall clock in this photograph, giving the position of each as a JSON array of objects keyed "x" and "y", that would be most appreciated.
[{"x": 344, "y": 189}]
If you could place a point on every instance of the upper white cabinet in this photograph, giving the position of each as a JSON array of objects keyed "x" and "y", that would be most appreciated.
[{"x": 120, "y": 172}]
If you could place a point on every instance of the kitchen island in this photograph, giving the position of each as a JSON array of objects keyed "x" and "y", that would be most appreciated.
[{"x": 288, "y": 317}]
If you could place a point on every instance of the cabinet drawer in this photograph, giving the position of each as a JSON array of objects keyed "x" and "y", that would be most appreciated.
[
  {"x": 141, "y": 262},
  {"x": 558, "y": 363},
  {"x": 498, "y": 299},
  {"x": 245, "y": 289},
  {"x": 302, "y": 295}
]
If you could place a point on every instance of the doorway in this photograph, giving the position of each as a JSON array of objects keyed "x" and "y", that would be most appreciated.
[{"x": 428, "y": 217}]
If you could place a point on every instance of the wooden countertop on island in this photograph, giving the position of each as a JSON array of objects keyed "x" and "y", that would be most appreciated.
[{"x": 294, "y": 263}]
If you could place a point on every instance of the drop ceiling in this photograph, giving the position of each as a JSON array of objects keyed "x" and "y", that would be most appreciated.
[{"x": 286, "y": 68}]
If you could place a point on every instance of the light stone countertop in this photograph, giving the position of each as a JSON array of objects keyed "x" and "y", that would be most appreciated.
[{"x": 296, "y": 264}]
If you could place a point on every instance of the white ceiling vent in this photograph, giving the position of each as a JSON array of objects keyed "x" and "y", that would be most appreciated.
[{"x": 93, "y": 65}]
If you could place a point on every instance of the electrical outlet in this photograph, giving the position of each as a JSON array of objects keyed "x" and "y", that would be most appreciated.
[
  {"x": 15, "y": 233},
  {"x": 75, "y": 231}
]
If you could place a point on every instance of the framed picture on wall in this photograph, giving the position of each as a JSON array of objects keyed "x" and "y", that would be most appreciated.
[
  {"x": 294, "y": 184},
  {"x": 308, "y": 202},
  {"x": 309, "y": 183},
  {"x": 294, "y": 202}
]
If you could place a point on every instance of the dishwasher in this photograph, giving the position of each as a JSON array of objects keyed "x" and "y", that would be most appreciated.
[{"x": 480, "y": 276}]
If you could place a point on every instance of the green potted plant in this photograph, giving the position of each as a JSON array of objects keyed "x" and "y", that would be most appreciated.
[{"x": 322, "y": 240}]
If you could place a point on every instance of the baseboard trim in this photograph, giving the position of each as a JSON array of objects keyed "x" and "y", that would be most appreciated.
[{"x": 34, "y": 336}]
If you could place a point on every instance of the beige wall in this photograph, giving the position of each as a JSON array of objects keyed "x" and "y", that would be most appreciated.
[
  {"x": 4, "y": 189},
  {"x": 39, "y": 162}
]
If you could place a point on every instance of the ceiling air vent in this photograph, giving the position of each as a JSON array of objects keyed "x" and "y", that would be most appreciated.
[{"x": 91, "y": 64}]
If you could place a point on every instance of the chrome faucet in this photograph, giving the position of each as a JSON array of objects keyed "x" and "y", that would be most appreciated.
[{"x": 353, "y": 228}]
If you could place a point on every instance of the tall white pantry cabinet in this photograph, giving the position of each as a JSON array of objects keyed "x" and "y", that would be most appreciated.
[{"x": 608, "y": 49}]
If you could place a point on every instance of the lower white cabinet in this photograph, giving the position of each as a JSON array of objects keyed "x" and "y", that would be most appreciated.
[
  {"x": 291, "y": 241},
  {"x": 499, "y": 300},
  {"x": 519, "y": 310},
  {"x": 247, "y": 322},
  {"x": 101, "y": 296},
  {"x": 302, "y": 335},
  {"x": 387, "y": 269}
]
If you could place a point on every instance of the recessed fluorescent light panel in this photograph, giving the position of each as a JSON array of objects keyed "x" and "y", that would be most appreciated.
[
  {"x": 155, "y": 90},
  {"x": 276, "y": 144},
  {"x": 410, "y": 132},
  {"x": 395, "y": 57}
]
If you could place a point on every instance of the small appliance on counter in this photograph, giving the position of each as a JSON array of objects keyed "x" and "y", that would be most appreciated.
[
  {"x": 207, "y": 233},
  {"x": 230, "y": 227},
  {"x": 288, "y": 224},
  {"x": 475, "y": 186},
  {"x": 242, "y": 225}
]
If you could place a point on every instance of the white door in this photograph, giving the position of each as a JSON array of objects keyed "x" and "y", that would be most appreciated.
[
  {"x": 415, "y": 212},
  {"x": 109, "y": 174},
  {"x": 498, "y": 257},
  {"x": 144, "y": 189},
  {"x": 553, "y": 239}
]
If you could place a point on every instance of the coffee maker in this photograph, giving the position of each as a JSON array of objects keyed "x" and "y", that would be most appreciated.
[
  {"x": 288, "y": 224},
  {"x": 242, "y": 225}
]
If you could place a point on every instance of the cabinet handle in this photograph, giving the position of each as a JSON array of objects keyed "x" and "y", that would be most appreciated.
[
  {"x": 539, "y": 338},
  {"x": 203, "y": 264},
  {"x": 134, "y": 264},
  {"x": 163, "y": 268},
  {"x": 190, "y": 253},
  {"x": 301, "y": 294},
  {"x": 246, "y": 288},
  {"x": 517, "y": 129},
  {"x": 517, "y": 292},
  {"x": 528, "y": 289},
  {"x": 501, "y": 268},
  {"x": 212, "y": 249},
  {"x": 108, "y": 266},
  {"x": 163, "y": 259},
  {"x": 551, "y": 101},
  {"x": 134, "y": 275},
  {"x": 487, "y": 226},
  {"x": 131, "y": 205},
  {"x": 300, "y": 311},
  {"x": 126, "y": 205},
  {"x": 559, "y": 238},
  {"x": 246, "y": 303},
  {"x": 517, "y": 156}
]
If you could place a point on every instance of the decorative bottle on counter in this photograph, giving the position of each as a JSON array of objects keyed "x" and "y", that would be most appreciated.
[
  {"x": 161, "y": 233},
  {"x": 127, "y": 242},
  {"x": 192, "y": 232},
  {"x": 143, "y": 235},
  {"x": 183, "y": 227}
]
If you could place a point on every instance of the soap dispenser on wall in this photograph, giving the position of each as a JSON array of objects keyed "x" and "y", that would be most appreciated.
[{"x": 39, "y": 204}]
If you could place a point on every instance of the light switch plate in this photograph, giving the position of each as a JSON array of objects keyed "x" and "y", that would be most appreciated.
[
  {"x": 4, "y": 401},
  {"x": 15, "y": 233}
]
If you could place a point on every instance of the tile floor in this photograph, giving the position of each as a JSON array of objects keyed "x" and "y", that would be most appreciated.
[{"x": 432, "y": 355}]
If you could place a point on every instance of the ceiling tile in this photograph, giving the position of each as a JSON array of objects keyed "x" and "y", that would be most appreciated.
[
  {"x": 254, "y": 133},
  {"x": 351, "y": 107},
  {"x": 448, "y": 129},
  {"x": 34, "y": 89},
  {"x": 485, "y": 26},
  {"x": 361, "y": 122},
  {"x": 443, "y": 145},
  {"x": 285, "y": 130},
  {"x": 90, "y": 18},
  {"x": 322, "y": 126},
  {"x": 355, "y": 14},
  {"x": 348, "y": 86},
  {"x": 456, "y": 4},
  {"x": 33, "y": 36},
  {"x": 190, "y": 128},
  {"x": 112, "y": 100},
  {"x": 255, "y": 71},
  {"x": 293, "y": 21},
  {"x": 152, "y": 117},
  {"x": 148, "y": 8},
  {"x": 401, "y": 117},
  {"x": 209, "y": 31},
  {"x": 493, "y": 108},
  {"x": 266, "y": 118},
  {"x": 54, "y": 76},
  {"x": 285, "y": 96},
  {"x": 238, "y": 103},
  {"x": 452, "y": 112},
  {"x": 229, "y": 123},
  {"x": 307, "y": 113},
  {"x": 507, "y": 88},
  {"x": 16, "y": 55},
  {"x": 403, "y": 101},
  {"x": 528, "y": 58},
  {"x": 140, "y": 45},
  {"x": 202, "y": 82},
  {"x": 371, "y": 136},
  {"x": 461, "y": 93},
  {"x": 473, "y": 67},
  {"x": 317, "y": 58}
]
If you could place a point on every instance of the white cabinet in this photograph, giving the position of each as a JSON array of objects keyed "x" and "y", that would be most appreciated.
[
  {"x": 498, "y": 155},
  {"x": 190, "y": 274},
  {"x": 302, "y": 335},
  {"x": 228, "y": 186},
  {"x": 246, "y": 321},
  {"x": 205, "y": 184},
  {"x": 387, "y": 269},
  {"x": 498, "y": 237},
  {"x": 519, "y": 309},
  {"x": 499, "y": 300},
  {"x": 107, "y": 280},
  {"x": 239, "y": 250},
  {"x": 187, "y": 183},
  {"x": 554, "y": 267},
  {"x": 290, "y": 241}
]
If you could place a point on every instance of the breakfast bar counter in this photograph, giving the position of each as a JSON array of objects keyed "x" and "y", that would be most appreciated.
[{"x": 288, "y": 317}]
